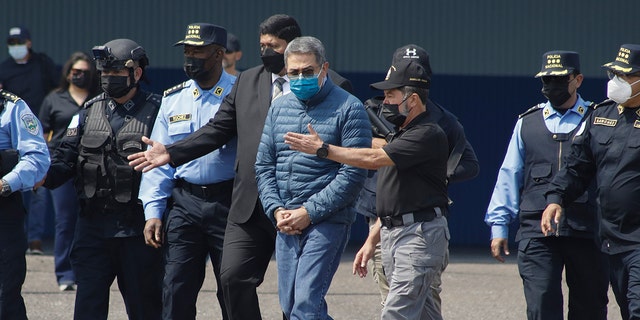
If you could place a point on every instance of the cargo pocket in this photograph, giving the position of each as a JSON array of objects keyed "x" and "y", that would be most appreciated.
[{"x": 123, "y": 183}]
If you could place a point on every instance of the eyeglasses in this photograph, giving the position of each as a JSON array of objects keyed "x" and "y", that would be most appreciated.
[
  {"x": 308, "y": 72},
  {"x": 556, "y": 79}
]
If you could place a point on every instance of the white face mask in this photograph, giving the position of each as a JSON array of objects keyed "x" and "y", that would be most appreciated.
[
  {"x": 619, "y": 90},
  {"x": 18, "y": 52}
]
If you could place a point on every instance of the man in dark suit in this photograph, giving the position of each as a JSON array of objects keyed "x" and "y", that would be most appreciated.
[{"x": 250, "y": 236}]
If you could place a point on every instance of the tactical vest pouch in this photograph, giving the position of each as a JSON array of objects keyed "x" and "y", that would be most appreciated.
[
  {"x": 8, "y": 159},
  {"x": 90, "y": 175},
  {"x": 123, "y": 183}
]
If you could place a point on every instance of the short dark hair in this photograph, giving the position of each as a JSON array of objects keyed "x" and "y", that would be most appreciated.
[
  {"x": 282, "y": 26},
  {"x": 423, "y": 93}
]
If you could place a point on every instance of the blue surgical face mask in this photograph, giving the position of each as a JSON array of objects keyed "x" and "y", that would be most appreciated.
[
  {"x": 305, "y": 87},
  {"x": 18, "y": 52}
]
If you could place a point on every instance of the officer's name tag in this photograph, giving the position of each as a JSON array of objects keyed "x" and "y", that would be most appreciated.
[
  {"x": 180, "y": 117},
  {"x": 605, "y": 122}
]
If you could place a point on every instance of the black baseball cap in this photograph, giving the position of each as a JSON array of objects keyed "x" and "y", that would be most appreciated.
[
  {"x": 404, "y": 73},
  {"x": 202, "y": 34},
  {"x": 19, "y": 33},
  {"x": 559, "y": 63},
  {"x": 415, "y": 53},
  {"x": 233, "y": 44},
  {"x": 627, "y": 61}
]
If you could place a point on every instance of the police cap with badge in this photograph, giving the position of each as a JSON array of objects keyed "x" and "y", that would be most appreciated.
[
  {"x": 202, "y": 34},
  {"x": 627, "y": 61},
  {"x": 559, "y": 63}
]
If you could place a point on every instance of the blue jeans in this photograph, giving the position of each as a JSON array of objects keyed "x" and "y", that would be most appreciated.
[
  {"x": 306, "y": 266},
  {"x": 65, "y": 205}
]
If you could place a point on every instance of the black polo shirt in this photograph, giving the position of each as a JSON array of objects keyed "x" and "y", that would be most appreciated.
[{"x": 417, "y": 181}]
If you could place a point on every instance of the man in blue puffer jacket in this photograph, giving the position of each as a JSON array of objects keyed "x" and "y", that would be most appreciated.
[{"x": 310, "y": 199}]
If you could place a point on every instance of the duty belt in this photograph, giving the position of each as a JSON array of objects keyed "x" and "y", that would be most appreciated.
[
  {"x": 205, "y": 191},
  {"x": 406, "y": 219}
]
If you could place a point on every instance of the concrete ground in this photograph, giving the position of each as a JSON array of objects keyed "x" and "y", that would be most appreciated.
[{"x": 475, "y": 286}]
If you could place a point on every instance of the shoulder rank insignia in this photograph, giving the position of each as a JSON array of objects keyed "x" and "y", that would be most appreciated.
[
  {"x": 531, "y": 110},
  {"x": 604, "y": 103},
  {"x": 173, "y": 89},
  {"x": 9, "y": 96}
]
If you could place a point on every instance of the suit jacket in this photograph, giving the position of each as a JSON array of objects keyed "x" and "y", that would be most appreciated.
[{"x": 242, "y": 114}]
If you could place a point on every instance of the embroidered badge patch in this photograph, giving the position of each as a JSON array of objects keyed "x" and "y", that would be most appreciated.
[
  {"x": 30, "y": 123},
  {"x": 605, "y": 122}
]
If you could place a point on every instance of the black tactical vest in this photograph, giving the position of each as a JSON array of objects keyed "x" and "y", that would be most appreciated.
[
  {"x": 545, "y": 153},
  {"x": 104, "y": 176}
]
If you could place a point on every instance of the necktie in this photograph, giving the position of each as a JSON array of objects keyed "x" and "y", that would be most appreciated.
[{"x": 277, "y": 88}]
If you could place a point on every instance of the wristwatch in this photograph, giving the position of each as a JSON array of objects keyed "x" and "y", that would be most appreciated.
[
  {"x": 323, "y": 151},
  {"x": 6, "y": 188}
]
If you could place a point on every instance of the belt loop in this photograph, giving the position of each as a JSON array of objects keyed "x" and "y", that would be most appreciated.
[
  {"x": 407, "y": 219},
  {"x": 438, "y": 211}
]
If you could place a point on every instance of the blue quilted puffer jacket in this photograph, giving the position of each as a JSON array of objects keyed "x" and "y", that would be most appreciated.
[{"x": 290, "y": 179}]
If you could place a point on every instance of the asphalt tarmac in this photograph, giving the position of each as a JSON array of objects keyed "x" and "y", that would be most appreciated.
[{"x": 475, "y": 286}]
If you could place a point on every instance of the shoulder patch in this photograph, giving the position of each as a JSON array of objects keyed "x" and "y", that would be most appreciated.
[
  {"x": 531, "y": 110},
  {"x": 604, "y": 103},
  {"x": 9, "y": 96},
  {"x": 30, "y": 123},
  {"x": 174, "y": 89},
  {"x": 102, "y": 96}
]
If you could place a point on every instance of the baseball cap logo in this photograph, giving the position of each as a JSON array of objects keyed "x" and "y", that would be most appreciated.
[
  {"x": 392, "y": 68},
  {"x": 411, "y": 52}
]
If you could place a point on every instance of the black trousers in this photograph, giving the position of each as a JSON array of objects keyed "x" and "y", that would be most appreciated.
[
  {"x": 13, "y": 265},
  {"x": 541, "y": 262},
  {"x": 98, "y": 260},
  {"x": 625, "y": 282},
  {"x": 194, "y": 228},
  {"x": 245, "y": 257}
]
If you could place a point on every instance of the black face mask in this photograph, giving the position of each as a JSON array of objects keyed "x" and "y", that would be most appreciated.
[
  {"x": 557, "y": 93},
  {"x": 80, "y": 80},
  {"x": 391, "y": 113},
  {"x": 272, "y": 61},
  {"x": 195, "y": 69},
  {"x": 115, "y": 86}
]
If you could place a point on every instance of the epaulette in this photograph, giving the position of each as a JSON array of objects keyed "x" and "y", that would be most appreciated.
[
  {"x": 102, "y": 96},
  {"x": 604, "y": 103},
  {"x": 531, "y": 110},
  {"x": 155, "y": 99},
  {"x": 9, "y": 96},
  {"x": 174, "y": 89}
]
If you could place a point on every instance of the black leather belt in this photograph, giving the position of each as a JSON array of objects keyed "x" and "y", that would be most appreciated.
[
  {"x": 411, "y": 217},
  {"x": 205, "y": 191}
]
